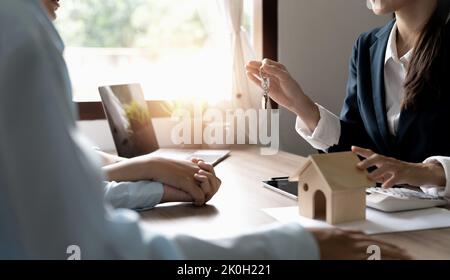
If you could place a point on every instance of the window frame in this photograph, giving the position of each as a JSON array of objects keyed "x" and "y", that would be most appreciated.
[{"x": 265, "y": 41}]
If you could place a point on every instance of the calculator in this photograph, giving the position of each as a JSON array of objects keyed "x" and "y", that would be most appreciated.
[{"x": 401, "y": 199}]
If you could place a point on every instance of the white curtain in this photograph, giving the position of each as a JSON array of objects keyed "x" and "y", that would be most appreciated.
[{"x": 245, "y": 94}]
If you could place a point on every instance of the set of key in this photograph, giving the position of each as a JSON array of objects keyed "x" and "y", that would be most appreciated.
[{"x": 266, "y": 103}]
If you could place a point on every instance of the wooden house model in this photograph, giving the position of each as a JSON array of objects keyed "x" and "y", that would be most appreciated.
[{"x": 331, "y": 188}]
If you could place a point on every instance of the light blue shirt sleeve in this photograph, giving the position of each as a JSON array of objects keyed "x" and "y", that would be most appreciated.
[
  {"x": 285, "y": 242},
  {"x": 139, "y": 196}
]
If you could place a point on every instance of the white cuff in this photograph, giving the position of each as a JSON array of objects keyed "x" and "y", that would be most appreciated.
[
  {"x": 327, "y": 132},
  {"x": 443, "y": 191}
]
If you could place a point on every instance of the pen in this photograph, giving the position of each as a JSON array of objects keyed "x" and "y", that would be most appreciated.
[{"x": 279, "y": 178}]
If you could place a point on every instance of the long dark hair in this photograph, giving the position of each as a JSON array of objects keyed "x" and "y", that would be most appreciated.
[{"x": 429, "y": 69}]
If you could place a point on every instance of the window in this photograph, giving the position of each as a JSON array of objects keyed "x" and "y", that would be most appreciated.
[{"x": 177, "y": 49}]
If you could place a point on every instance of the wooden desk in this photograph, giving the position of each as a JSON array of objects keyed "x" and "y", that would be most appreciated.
[{"x": 237, "y": 206}]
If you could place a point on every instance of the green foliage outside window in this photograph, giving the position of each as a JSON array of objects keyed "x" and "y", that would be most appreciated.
[{"x": 150, "y": 24}]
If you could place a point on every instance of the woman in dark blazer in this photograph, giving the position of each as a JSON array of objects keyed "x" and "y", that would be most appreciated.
[{"x": 398, "y": 97}]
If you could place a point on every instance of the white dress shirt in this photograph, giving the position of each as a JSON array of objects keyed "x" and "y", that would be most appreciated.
[
  {"x": 51, "y": 192},
  {"x": 328, "y": 130}
]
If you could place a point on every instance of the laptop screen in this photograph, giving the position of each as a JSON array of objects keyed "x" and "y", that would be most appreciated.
[{"x": 129, "y": 120}]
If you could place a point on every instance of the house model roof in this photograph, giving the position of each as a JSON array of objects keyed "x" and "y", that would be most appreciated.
[{"x": 338, "y": 170}]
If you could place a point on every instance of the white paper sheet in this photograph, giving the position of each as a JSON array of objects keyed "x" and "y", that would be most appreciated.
[{"x": 376, "y": 222}]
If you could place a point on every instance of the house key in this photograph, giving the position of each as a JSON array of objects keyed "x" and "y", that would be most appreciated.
[{"x": 266, "y": 88}]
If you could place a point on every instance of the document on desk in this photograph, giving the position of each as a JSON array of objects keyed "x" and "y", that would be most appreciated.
[{"x": 376, "y": 222}]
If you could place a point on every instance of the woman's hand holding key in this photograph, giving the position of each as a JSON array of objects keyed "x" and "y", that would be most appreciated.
[{"x": 284, "y": 90}]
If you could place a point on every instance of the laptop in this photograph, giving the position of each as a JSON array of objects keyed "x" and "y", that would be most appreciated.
[{"x": 132, "y": 129}]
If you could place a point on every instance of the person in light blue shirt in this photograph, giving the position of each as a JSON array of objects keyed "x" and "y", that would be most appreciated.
[
  {"x": 51, "y": 195},
  {"x": 142, "y": 183}
]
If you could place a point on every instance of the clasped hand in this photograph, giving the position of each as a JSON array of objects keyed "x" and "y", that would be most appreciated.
[
  {"x": 193, "y": 181},
  {"x": 184, "y": 181}
]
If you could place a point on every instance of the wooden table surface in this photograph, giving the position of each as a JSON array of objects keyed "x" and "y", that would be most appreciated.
[{"x": 236, "y": 208}]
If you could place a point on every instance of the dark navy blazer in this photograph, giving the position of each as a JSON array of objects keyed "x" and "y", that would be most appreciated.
[{"x": 422, "y": 132}]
